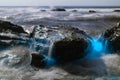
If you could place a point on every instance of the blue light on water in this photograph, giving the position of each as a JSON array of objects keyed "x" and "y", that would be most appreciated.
[
  {"x": 97, "y": 45},
  {"x": 49, "y": 60}
]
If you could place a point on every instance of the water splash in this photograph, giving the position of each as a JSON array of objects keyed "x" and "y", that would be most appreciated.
[
  {"x": 50, "y": 49},
  {"x": 97, "y": 47}
]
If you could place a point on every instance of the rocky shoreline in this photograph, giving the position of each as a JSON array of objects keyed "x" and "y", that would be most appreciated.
[{"x": 60, "y": 42}]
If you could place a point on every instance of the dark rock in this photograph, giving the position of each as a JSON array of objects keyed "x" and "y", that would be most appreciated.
[
  {"x": 11, "y": 34},
  {"x": 113, "y": 35},
  {"x": 116, "y": 11},
  {"x": 58, "y": 9},
  {"x": 38, "y": 61},
  {"x": 9, "y": 27},
  {"x": 62, "y": 42},
  {"x": 92, "y": 11},
  {"x": 67, "y": 50}
]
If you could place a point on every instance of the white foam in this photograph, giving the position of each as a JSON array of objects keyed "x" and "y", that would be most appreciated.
[{"x": 30, "y": 14}]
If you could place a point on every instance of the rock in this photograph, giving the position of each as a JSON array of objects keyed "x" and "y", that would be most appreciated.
[
  {"x": 38, "y": 60},
  {"x": 11, "y": 34},
  {"x": 113, "y": 35},
  {"x": 116, "y": 11},
  {"x": 67, "y": 50},
  {"x": 62, "y": 42},
  {"x": 58, "y": 9},
  {"x": 9, "y": 27},
  {"x": 92, "y": 11}
]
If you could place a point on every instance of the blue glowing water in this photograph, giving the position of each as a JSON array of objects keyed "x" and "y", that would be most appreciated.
[
  {"x": 97, "y": 47},
  {"x": 49, "y": 61}
]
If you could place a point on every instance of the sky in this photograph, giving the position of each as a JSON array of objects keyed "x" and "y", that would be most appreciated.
[{"x": 60, "y": 2}]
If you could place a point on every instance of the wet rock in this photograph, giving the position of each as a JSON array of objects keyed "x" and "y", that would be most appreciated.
[
  {"x": 38, "y": 61},
  {"x": 92, "y": 11},
  {"x": 116, "y": 11},
  {"x": 15, "y": 57},
  {"x": 9, "y": 27},
  {"x": 67, "y": 50},
  {"x": 58, "y": 9},
  {"x": 62, "y": 42},
  {"x": 113, "y": 35},
  {"x": 11, "y": 33}
]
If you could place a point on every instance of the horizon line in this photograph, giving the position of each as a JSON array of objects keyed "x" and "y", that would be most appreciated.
[{"x": 116, "y": 6}]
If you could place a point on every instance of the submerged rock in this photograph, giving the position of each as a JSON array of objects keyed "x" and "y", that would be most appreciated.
[
  {"x": 113, "y": 35},
  {"x": 92, "y": 11}
]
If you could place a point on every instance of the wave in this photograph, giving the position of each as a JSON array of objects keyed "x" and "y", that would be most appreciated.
[{"x": 33, "y": 16}]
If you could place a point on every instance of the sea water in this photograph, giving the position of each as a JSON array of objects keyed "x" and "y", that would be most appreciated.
[{"x": 106, "y": 66}]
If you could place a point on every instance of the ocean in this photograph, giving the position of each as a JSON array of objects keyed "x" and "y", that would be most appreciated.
[
  {"x": 81, "y": 17},
  {"x": 93, "y": 20}
]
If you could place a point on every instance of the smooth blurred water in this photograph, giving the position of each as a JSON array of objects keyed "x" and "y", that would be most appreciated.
[
  {"x": 82, "y": 19},
  {"x": 35, "y": 15}
]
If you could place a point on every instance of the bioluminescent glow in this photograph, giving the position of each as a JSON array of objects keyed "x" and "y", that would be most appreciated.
[{"x": 96, "y": 47}]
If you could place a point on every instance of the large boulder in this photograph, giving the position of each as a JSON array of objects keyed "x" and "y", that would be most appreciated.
[
  {"x": 61, "y": 42},
  {"x": 67, "y": 50},
  {"x": 15, "y": 57},
  {"x": 113, "y": 35}
]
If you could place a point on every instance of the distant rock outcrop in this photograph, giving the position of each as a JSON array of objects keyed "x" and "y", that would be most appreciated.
[
  {"x": 116, "y": 11},
  {"x": 58, "y": 9},
  {"x": 92, "y": 11}
]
